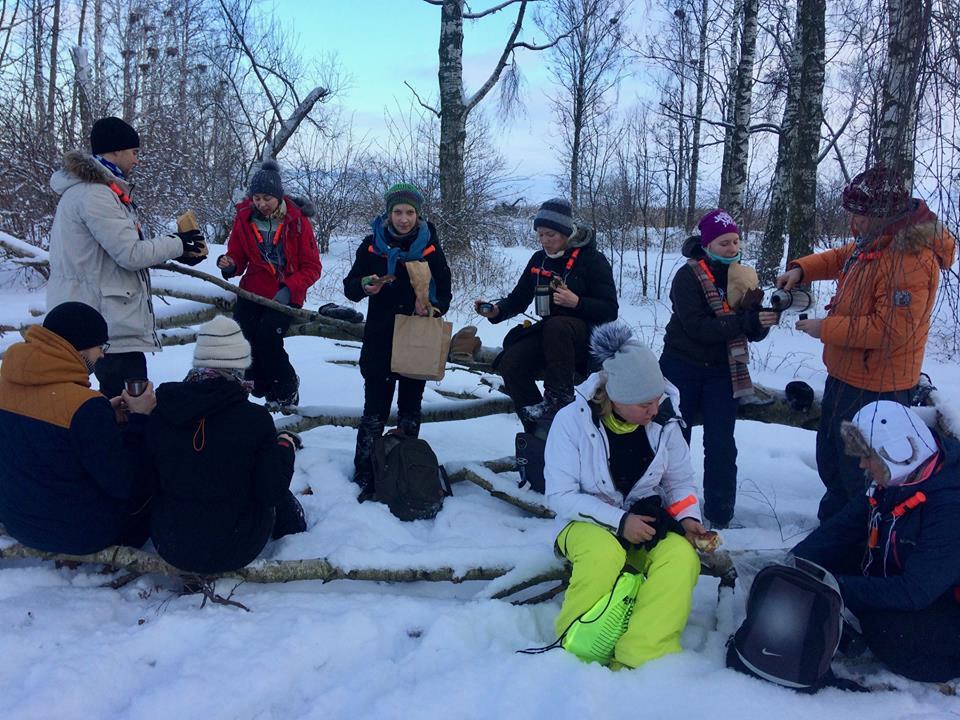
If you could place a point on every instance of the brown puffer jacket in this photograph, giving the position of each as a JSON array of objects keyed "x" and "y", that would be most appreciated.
[{"x": 875, "y": 332}]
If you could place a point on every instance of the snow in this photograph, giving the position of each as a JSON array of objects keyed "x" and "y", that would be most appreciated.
[{"x": 70, "y": 648}]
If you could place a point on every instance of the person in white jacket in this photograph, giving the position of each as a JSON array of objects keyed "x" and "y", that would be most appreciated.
[{"x": 619, "y": 478}]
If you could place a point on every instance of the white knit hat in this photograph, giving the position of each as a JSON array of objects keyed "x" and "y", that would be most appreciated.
[
  {"x": 633, "y": 372},
  {"x": 898, "y": 435},
  {"x": 220, "y": 344}
]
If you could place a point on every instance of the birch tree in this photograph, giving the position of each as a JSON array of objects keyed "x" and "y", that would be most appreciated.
[
  {"x": 587, "y": 65},
  {"x": 908, "y": 25},
  {"x": 456, "y": 106},
  {"x": 734, "y": 171}
]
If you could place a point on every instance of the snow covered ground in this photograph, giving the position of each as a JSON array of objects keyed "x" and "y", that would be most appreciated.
[{"x": 70, "y": 648}]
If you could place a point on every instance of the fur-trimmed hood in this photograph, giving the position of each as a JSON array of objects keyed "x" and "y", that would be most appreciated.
[
  {"x": 82, "y": 167},
  {"x": 582, "y": 236},
  {"x": 915, "y": 230}
]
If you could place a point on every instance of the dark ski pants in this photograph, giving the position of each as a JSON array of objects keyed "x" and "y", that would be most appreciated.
[
  {"x": 706, "y": 398},
  {"x": 840, "y": 473},
  {"x": 377, "y": 398},
  {"x": 552, "y": 349},
  {"x": 115, "y": 369},
  {"x": 272, "y": 374},
  {"x": 918, "y": 644}
]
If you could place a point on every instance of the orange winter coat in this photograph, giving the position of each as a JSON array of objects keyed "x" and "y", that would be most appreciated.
[{"x": 875, "y": 332}]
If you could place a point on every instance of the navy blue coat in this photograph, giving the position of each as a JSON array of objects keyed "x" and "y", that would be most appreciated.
[
  {"x": 70, "y": 477},
  {"x": 923, "y": 561}
]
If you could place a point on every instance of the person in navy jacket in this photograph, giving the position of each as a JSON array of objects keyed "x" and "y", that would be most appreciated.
[{"x": 894, "y": 549}]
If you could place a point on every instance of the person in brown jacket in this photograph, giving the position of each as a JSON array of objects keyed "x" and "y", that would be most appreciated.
[{"x": 875, "y": 331}]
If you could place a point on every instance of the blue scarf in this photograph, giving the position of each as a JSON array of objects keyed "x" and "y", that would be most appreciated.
[
  {"x": 395, "y": 254},
  {"x": 110, "y": 166},
  {"x": 723, "y": 260}
]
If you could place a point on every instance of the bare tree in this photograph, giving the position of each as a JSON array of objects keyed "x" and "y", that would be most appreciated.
[{"x": 586, "y": 65}]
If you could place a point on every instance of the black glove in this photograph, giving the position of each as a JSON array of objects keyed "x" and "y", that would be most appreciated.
[
  {"x": 194, "y": 247},
  {"x": 664, "y": 522},
  {"x": 339, "y": 312}
]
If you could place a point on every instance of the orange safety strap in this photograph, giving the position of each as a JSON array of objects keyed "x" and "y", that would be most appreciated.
[
  {"x": 541, "y": 272},
  {"x": 276, "y": 239},
  {"x": 909, "y": 504},
  {"x": 680, "y": 505},
  {"x": 124, "y": 198},
  {"x": 706, "y": 269},
  {"x": 573, "y": 258}
]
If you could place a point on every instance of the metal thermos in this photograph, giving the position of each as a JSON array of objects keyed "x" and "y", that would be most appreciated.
[
  {"x": 795, "y": 300},
  {"x": 541, "y": 300}
]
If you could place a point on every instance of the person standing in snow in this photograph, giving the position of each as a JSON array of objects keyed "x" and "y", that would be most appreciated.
[
  {"x": 222, "y": 471},
  {"x": 705, "y": 354},
  {"x": 619, "y": 478},
  {"x": 572, "y": 284},
  {"x": 99, "y": 255},
  {"x": 273, "y": 248},
  {"x": 72, "y": 478},
  {"x": 894, "y": 548},
  {"x": 400, "y": 236},
  {"x": 875, "y": 332}
]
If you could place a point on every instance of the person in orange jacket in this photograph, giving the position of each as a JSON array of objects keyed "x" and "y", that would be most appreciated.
[{"x": 875, "y": 331}]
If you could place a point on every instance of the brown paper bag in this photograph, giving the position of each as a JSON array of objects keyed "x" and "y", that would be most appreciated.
[
  {"x": 420, "y": 346},
  {"x": 419, "y": 272},
  {"x": 740, "y": 279},
  {"x": 187, "y": 222}
]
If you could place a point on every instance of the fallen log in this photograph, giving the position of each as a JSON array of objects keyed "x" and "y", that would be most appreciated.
[
  {"x": 307, "y": 418},
  {"x": 132, "y": 560},
  {"x": 474, "y": 474}
]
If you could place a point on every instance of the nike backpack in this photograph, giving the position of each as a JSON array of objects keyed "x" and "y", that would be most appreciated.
[
  {"x": 407, "y": 477},
  {"x": 792, "y": 628}
]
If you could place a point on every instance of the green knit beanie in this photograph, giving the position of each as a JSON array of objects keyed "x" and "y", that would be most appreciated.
[{"x": 405, "y": 193}]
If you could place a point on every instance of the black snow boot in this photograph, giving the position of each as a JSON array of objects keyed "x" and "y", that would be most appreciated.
[
  {"x": 371, "y": 427},
  {"x": 290, "y": 519}
]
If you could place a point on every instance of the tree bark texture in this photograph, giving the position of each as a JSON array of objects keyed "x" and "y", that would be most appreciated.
[
  {"x": 698, "y": 115},
  {"x": 908, "y": 26},
  {"x": 810, "y": 35},
  {"x": 736, "y": 174},
  {"x": 453, "y": 123}
]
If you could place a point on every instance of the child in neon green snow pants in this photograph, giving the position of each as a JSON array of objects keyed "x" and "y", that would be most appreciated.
[{"x": 619, "y": 477}]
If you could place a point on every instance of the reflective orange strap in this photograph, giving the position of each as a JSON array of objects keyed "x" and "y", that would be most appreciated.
[
  {"x": 680, "y": 505},
  {"x": 124, "y": 198},
  {"x": 909, "y": 504},
  {"x": 541, "y": 272},
  {"x": 429, "y": 251},
  {"x": 573, "y": 258}
]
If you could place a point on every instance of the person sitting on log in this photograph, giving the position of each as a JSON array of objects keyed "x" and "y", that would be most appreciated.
[
  {"x": 222, "y": 471},
  {"x": 400, "y": 236},
  {"x": 894, "y": 547},
  {"x": 619, "y": 478},
  {"x": 571, "y": 283},
  {"x": 72, "y": 478},
  {"x": 273, "y": 247}
]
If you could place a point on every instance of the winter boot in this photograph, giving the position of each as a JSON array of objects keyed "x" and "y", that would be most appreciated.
[
  {"x": 594, "y": 635},
  {"x": 371, "y": 427},
  {"x": 538, "y": 418},
  {"x": 287, "y": 394},
  {"x": 290, "y": 519},
  {"x": 409, "y": 425}
]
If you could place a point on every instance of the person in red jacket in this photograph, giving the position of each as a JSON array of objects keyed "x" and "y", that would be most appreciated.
[{"x": 273, "y": 247}]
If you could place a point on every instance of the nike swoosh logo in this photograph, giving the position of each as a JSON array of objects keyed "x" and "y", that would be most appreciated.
[{"x": 764, "y": 651}]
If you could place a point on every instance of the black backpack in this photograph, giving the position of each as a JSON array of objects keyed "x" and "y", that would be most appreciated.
[
  {"x": 530, "y": 462},
  {"x": 792, "y": 629},
  {"x": 407, "y": 477}
]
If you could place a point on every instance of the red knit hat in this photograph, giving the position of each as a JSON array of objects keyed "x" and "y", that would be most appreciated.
[{"x": 878, "y": 192}]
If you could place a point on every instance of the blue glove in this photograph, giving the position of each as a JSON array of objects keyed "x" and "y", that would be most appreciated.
[{"x": 283, "y": 295}]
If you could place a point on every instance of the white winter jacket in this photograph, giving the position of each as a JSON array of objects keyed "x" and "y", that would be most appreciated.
[
  {"x": 577, "y": 469},
  {"x": 97, "y": 254}
]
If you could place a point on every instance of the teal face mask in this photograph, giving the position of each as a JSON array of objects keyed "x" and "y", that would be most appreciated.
[{"x": 723, "y": 260}]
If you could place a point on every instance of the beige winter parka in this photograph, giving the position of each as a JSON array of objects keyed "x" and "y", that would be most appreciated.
[{"x": 99, "y": 256}]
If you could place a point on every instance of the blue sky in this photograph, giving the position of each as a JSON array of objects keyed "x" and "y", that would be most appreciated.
[{"x": 382, "y": 43}]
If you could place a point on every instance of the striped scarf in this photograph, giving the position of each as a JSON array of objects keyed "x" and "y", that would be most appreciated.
[{"x": 737, "y": 352}]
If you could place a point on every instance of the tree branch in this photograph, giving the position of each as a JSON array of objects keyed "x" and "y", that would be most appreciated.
[
  {"x": 501, "y": 62},
  {"x": 490, "y": 11},
  {"x": 422, "y": 103}
]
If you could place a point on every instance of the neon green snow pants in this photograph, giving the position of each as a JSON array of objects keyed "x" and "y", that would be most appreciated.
[{"x": 663, "y": 601}]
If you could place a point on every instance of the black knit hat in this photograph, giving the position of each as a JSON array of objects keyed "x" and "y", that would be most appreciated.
[
  {"x": 266, "y": 180},
  {"x": 78, "y": 324},
  {"x": 110, "y": 134},
  {"x": 555, "y": 214}
]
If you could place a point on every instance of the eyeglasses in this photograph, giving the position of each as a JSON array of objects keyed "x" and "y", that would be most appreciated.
[{"x": 105, "y": 347}]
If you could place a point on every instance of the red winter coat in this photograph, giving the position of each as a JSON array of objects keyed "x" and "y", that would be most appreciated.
[{"x": 302, "y": 267}]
